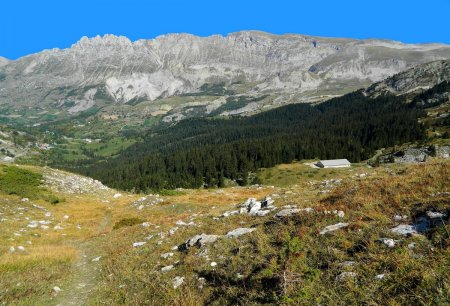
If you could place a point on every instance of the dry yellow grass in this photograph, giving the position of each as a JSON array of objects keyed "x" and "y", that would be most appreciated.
[
  {"x": 225, "y": 196},
  {"x": 385, "y": 191},
  {"x": 40, "y": 253}
]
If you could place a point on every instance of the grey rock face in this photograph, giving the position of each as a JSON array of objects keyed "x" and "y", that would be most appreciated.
[
  {"x": 442, "y": 151},
  {"x": 115, "y": 69},
  {"x": 411, "y": 155},
  {"x": 416, "y": 155},
  {"x": 3, "y": 61},
  {"x": 421, "y": 77}
]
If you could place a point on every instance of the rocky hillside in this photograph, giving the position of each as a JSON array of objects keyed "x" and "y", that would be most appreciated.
[
  {"x": 15, "y": 144},
  {"x": 112, "y": 69},
  {"x": 304, "y": 236},
  {"x": 3, "y": 61},
  {"x": 419, "y": 78}
]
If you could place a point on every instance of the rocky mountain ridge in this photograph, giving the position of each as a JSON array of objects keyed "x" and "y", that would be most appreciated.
[
  {"x": 418, "y": 78},
  {"x": 4, "y": 61},
  {"x": 113, "y": 69}
]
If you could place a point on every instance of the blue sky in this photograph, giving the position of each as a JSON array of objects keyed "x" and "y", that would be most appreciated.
[{"x": 31, "y": 26}]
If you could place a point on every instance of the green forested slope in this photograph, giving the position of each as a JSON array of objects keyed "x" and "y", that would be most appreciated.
[{"x": 205, "y": 151}]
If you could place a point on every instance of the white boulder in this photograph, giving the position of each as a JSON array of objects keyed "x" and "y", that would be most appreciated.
[{"x": 177, "y": 282}]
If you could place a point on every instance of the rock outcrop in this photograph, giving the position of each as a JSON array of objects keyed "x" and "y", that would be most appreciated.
[
  {"x": 411, "y": 80},
  {"x": 198, "y": 241},
  {"x": 415, "y": 155}
]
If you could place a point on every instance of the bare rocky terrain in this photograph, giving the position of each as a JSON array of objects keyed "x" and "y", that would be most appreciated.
[{"x": 266, "y": 69}]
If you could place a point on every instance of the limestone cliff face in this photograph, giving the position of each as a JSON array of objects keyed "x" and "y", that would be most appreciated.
[
  {"x": 174, "y": 64},
  {"x": 418, "y": 78},
  {"x": 3, "y": 61}
]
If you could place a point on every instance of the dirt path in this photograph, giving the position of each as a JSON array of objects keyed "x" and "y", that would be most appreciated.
[{"x": 84, "y": 279}]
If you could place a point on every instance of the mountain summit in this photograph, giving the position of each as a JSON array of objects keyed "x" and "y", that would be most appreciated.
[{"x": 289, "y": 67}]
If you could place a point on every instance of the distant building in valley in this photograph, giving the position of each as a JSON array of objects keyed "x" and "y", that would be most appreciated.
[{"x": 334, "y": 163}]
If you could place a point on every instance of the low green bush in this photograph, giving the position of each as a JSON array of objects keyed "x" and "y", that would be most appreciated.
[{"x": 127, "y": 222}]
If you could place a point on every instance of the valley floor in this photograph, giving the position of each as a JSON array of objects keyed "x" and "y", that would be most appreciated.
[{"x": 96, "y": 246}]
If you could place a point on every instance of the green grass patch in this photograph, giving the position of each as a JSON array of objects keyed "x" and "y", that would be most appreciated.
[
  {"x": 31, "y": 282},
  {"x": 170, "y": 192},
  {"x": 125, "y": 222},
  {"x": 24, "y": 183}
]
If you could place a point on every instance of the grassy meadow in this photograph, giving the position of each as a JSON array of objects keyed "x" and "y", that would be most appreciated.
[{"x": 87, "y": 250}]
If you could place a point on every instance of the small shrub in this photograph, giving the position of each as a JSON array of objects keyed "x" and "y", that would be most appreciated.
[
  {"x": 54, "y": 200},
  {"x": 25, "y": 183},
  {"x": 127, "y": 222},
  {"x": 293, "y": 246},
  {"x": 21, "y": 182},
  {"x": 168, "y": 192}
]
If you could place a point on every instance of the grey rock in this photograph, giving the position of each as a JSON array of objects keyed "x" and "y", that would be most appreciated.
[
  {"x": 254, "y": 207},
  {"x": 412, "y": 245},
  {"x": 167, "y": 268},
  {"x": 239, "y": 232},
  {"x": 442, "y": 151},
  {"x": 404, "y": 229},
  {"x": 177, "y": 282},
  {"x": 400, "y": 217},
  {"x": 261, "y": 213},
  {"x": 198, "y": 241},
  {"x": 230, "y": 213},
  {"x": 56, "y": 290},
  {"x": 415, "y": 155},
  {"x": 167, "y": 255},
  {"x": 435, "y": 215},
  {"x": 267, "y": 202},
  {"x": 287, "y": 212},
  {"x": 339, "y": 213},
  {"x": 388, "y": 242},
  {"x": 345, "y": 276},
  {"x": 411, "y": 155},
  {"x": 332, "y": 228},
  {"x": 72, "y": 183}
]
